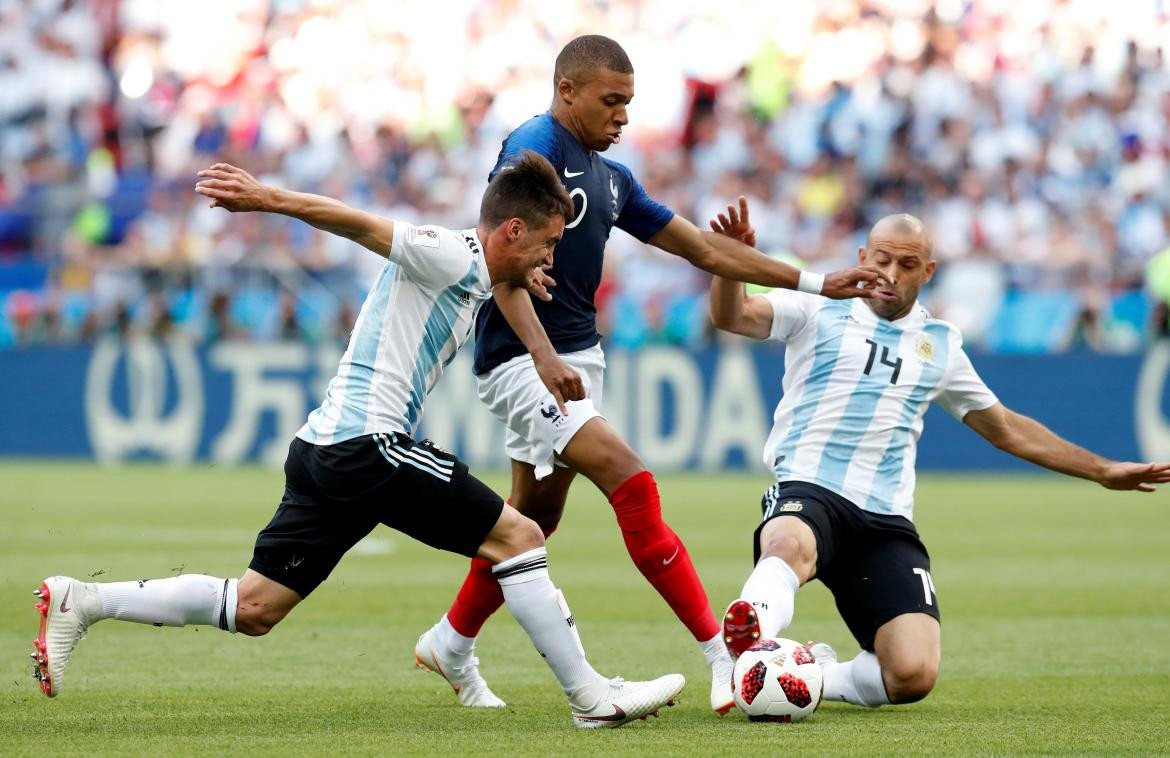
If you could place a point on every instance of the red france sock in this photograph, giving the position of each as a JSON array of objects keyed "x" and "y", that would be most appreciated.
[
  {"x": 478, "y": 598},
  {"x": 660, "y": 555}
]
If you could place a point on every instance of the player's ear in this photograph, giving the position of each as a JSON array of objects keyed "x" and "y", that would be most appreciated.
[
  {"x": 515, "y": 229},
  {"x": 565, "y": 90},
  {"x": 930, "y": 266},
  {"x": 861, "y": 255}
]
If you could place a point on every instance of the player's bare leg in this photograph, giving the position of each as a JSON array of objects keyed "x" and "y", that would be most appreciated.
[
  {"x": 251, "y": 605},
  {"x": 909, "y": 649},
  {"x": 903, "y": 670},
  {"x": 599, "y": 453},
  {"x": 262, "y": 603},
  {"x": 542, "y": 500}
]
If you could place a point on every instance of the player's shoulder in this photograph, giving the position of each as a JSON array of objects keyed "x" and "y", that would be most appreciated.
[
  {"x": 425, "y": 235},
  {"x": 938, "y": 325},
  {"x": 539, "y": 134},
  {"x": 803, "y": 301},
  {"x": 793, "y": 312},
  {"x": 436, "y": 240}
]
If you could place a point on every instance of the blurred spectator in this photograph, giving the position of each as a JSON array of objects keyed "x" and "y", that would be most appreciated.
[{"x": 1031, "y": 137}]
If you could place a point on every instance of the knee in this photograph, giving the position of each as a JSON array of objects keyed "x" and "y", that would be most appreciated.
[
  {"x": 255, "y": 621},
  {"x": 523, "y": 535},
  {"x": 612, "y": 465},
  {"x": 910, "y": 680},
  {"x": 785, "y": 546}
]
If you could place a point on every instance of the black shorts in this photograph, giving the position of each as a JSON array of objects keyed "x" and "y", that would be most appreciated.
[
  {"x": 875, "y": 565},
  {"x": 334, "y": 495}
]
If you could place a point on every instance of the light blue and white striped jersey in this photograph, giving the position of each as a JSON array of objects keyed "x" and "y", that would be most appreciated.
[
  {"x": 856, "y": 387},
  {"x": 415, "y": 318}
]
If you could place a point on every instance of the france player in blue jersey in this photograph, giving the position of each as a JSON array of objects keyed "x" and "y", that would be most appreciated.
[
  {"x": 857, "y": 380},
  {"x": 552, "y": 435}
]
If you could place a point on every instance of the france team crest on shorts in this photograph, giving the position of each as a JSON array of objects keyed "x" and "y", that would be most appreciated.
[{"x": 553, "y": 414}]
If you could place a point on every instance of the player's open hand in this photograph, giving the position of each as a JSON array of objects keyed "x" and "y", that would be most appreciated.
[
  {"x": 735, "y": 224},
  {"x": 858, "y": 281},
  {"x": 561, "y": 380},
  {"x": 232, "y": 188},
  {"x": 1135, "y": 476}
]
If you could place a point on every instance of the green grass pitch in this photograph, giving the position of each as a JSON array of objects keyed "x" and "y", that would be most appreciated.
[{"x": 1055, "y": 597}]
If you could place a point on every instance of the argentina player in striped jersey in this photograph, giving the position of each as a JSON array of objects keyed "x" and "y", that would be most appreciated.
[
  {"x": 354, "y": 464},
  {"x": 858, "y": 377}
]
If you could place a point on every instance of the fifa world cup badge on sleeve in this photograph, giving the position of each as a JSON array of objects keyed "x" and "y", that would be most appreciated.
[{"x": 424, "y": 237}]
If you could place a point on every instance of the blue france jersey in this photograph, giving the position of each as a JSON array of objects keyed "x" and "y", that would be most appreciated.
[
  {"x": 605, "y": 194},
  {"x": 856, "y": 387}
]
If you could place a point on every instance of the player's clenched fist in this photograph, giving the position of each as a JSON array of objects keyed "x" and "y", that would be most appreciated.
[{"x": 232, "y": 188}]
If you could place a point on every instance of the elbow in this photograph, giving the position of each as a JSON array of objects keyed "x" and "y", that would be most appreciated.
[
  {"x": 1005, "y": 441},
  {"x": 722, "y": 320},
  {"x": 723, "y": 325}
]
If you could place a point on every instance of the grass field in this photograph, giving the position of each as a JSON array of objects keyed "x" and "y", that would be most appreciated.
[{"x": 1055, "y": 598}]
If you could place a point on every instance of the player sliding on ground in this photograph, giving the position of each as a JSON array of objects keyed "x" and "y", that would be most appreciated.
[
  {"x": 515, "y": 361},
  {"x": 858, "y": 377},
  {"x": 354, "y": 464}
]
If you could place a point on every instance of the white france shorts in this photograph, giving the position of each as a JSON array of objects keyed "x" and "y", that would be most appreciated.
[{"x": 534, "y": 428}]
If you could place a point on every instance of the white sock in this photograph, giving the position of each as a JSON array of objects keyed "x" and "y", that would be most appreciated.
[
  {"x": 454, "y": 642},
  {"x": 175, "y": 601},
  {"x": 713, "y": 649},
  {"x": 858, "y": 681},
  {"x": 539, "y": 607},
  {"x": 771, "y": 589}
]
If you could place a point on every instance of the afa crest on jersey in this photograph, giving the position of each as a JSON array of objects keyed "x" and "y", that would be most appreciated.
[{"x": 925, "y": 349}]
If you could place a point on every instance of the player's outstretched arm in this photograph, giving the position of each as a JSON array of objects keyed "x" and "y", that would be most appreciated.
[
  {"x": 1027, "y": 438},
  {"x": 559, "y": 377},
  {"x": 238, "y": 191},
  {"x": 731, "y": 309},
  {"x": 730, "y": 258}
]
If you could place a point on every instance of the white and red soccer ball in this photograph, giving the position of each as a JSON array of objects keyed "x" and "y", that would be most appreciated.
[{"x": 777, "y": 680}]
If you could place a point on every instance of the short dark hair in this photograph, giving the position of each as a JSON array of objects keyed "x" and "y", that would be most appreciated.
[
  {"x": 528, "y": 189},
  {"x": 582, "y": 58}
]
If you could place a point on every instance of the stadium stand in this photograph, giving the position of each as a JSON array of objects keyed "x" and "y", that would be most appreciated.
[{"x": 1032, "y": 137}]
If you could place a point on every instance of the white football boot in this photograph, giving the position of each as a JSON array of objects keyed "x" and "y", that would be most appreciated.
[
  {"x": 67, "y": 608},
  {"x": 822, "y": 651},
  {"x": 722, "y": 699},
  {"x": 461, "y": 672},
  {"x": 626, "y": 701}
]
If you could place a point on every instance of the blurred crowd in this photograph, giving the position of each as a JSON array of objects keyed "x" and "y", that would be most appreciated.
[{"x": 1031, "y": 137}]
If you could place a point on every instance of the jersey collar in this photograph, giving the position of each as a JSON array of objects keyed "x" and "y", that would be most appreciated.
[
  {"x": 471, "y": 237},
  {"x": 916, "y": 317}
]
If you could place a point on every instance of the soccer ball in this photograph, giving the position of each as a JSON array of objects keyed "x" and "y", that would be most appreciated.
[{"x": 777, "y": 680}]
